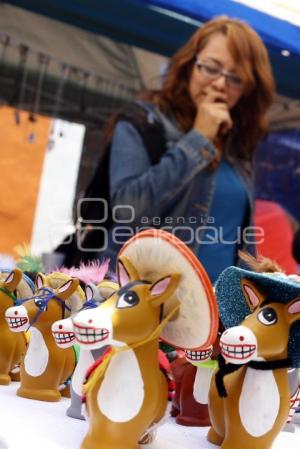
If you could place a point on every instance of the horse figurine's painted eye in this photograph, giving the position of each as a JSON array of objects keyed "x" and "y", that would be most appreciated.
[
  {"x": 267, "y": 316},
  {"x": 40, "y": 304},
  {"x": 129, "y": 299}
]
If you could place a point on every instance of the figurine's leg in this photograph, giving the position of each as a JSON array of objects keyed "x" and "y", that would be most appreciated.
[
  {"x": 214, "y": 438},
  {"x": 90, "y": 443},
  {"x": 148, "y": 438},
  {"x": 244, "y": 440},
  {"x": 75, "y": 409},
  {"x": 39, "y": 394},
  {"x": 237, "y": 445},
  {"x": 174, "y": 411},
  {"x": 15, "y": 375},
  {"x": 65, "y": 391},
  {"x": 150, "y": 434},
  {"x": 5, "y": 379}
]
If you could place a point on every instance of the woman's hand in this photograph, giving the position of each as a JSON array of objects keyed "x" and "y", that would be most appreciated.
[{"x": 213, "y": 116}]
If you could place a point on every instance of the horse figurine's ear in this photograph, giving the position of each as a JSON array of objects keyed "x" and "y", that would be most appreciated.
[
  {"x": 107, "y": 288},
  {"x": 253, "y": 297},
  {"x": 91, "y": 292},
  {"x": 293, "y": 309},
  {"x": 67, "y": 289},
  {"x": 126, "y": 272},
  {"x": 162, "y": 289},
  {"x": 40, "y": 280},
  {"x": 13, "y": 279}
]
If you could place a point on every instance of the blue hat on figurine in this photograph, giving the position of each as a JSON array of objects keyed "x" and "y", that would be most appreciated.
[{"x": 233, "y": 307}]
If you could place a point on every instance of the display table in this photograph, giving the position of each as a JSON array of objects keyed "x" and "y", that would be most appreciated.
[{"x": 28, "y": 424}]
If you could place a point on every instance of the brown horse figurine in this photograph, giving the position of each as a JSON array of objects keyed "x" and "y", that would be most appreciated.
[
  {"x": 140, "y": 392},
  {"x": 250, "y": 396},
  {"x": 12, "y": 346},
  {"x": 46, "y": 367}
]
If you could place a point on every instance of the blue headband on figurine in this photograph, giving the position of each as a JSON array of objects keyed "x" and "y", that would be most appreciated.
[{"x": 233, "y": 307}]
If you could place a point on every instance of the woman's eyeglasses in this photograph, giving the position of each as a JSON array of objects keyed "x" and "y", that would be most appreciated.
[{"x": 212, "y": 72}]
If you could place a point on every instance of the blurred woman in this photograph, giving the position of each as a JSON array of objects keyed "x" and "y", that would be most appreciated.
[{"x": 212, "y": 108}]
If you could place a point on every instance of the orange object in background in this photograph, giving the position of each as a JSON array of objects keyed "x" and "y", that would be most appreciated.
[
  {"x": 277, "y": 242},
  {"x": 22, "y": 152}
]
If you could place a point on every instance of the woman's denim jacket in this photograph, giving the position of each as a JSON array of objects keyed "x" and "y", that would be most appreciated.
[{"x": 175, "y": 194}]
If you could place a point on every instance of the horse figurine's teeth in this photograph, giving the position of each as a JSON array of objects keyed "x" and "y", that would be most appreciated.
[
  {"x": 14, "y": 322},
  {"x": 64, "y": 337},
  {"x": 88, "y": 335},
  {"x": 237, "y": 351},
  {"x": 198, "y": 356}
]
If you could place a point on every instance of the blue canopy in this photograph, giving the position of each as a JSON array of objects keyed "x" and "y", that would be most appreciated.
[{"x": 163, "y": 25}]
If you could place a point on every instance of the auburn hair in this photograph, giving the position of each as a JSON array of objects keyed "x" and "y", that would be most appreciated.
[
  {"x": 250, "y": 55},
  {"x": 260, "y": 264}
]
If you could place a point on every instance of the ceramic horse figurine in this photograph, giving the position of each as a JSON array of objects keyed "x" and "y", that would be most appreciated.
[
  {"x": 12, "y": 346},
  {"x": 46, "y": 367},
  {"x": 63, "y": 332},
  {"x": 164, "y": 292},
  {"x": 140, "y": 392},
  {"x": 250, "y": 395}
]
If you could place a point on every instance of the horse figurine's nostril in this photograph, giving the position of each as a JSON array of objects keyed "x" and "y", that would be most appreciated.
[
  {"x": 242, "y": 338},
  {"x": 60, "y": 326},
  {"x": 16, "y": 312},
  {"x": 90, "y": 321}
]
